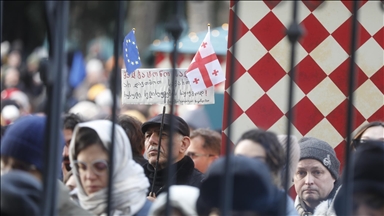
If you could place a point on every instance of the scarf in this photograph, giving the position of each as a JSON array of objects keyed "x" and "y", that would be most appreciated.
[
  {"x": 301, "y": 207},
  {"x": 129, "y": 182}
]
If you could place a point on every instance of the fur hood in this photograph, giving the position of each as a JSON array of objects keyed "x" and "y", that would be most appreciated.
[{"x": 326, "y": 208}]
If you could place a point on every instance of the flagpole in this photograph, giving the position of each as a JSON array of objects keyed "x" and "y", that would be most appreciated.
[{"x": 152, "y": 193}]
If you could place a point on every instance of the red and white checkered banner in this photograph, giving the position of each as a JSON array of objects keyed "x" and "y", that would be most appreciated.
[{"x": 322, "y": 67}]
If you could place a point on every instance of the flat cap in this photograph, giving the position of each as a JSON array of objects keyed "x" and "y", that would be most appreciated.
[{"x": 179, "y": 124}]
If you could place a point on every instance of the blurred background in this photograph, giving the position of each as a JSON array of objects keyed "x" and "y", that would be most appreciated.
[{"x": 89, "y": 48}]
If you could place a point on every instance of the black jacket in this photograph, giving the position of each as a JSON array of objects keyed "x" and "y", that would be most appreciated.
[{"x": 186, "y": 174}]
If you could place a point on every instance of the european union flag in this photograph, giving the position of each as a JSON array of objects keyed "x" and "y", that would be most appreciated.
[
  {"x": 131, "y": 53},
  {"x": 77, "y": 73}
]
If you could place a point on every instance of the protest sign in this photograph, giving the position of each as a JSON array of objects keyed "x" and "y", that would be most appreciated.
[{"x": 153, "y": 86}]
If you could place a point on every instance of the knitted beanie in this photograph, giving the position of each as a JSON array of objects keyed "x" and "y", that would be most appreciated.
[
  {"x": 313, "y": 148},
  {"x": 24, "y": 141}
]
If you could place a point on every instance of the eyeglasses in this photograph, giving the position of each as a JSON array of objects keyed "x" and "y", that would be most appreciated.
[
  {"x": 99, "y": 167},
  {"x": 194, "y": 155}
]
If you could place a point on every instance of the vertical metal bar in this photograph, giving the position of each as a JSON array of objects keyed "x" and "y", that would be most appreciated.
[
  {"x": 1, "y": 22},
  {"x": 227, "y": 183},
  {"x": 294, "y": 32},
  {"x": 175, "y": 29},
  {"x": 348, "y": 173},
  {"x": 55, "y": 96},
  {"x": 114, "y": 80}
]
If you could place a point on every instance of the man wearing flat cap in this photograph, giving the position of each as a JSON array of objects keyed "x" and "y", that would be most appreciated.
[
  {"x": 316, "y": 178},
  {"x": 185, "y": 173}
]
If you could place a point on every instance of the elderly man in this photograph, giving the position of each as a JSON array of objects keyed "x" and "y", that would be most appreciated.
[
  {"x": 185, "y": 174},
  {"x": 205, "y": 148},
  {"x": 316, "y": 178}
]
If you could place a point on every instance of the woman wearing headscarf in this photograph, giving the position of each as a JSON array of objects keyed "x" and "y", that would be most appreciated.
[{"x": 89, "y": 156}]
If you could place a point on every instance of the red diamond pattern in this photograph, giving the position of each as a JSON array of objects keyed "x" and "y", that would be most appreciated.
[
  {"x": 340, "y": 76},
  {"x": 242, "y": 29},
  {"x": 269, "y": 30},
  {"x": 271, "y": 4},
  {"x": 340, "y": 153},
  {"x": 349, "y": 4},
  {"x": 343, "y": 35},
  {"x": 338, "y": 118},
  {"x": 378, "y": 115},
  {"x": 306, "y": 116},
  {"x": 266, "y": 72},
  {"x": 378, "y": 79},
  {"x": 239, "y": 69},
  {"x": 264, "y": 113},
  {"x": 312, "y": 5},
  {"x": 379, "y": 37},
  {"x": 236, "y": 110},
  {"x": 315, "y": 33},
  {"x": 224, "y": 139},
  {"x": 308, "y": 74},
  {"x": 233, "y": 2}
]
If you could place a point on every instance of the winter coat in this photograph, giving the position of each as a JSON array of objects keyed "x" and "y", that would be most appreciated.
[
  {"x": 185, "y": 174},
  {"x": 326, "y": 208}
]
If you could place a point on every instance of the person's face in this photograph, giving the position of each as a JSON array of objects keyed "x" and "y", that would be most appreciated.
[
  {"x": 180, "y": 145},
  {"x": 373, "y": 133},
  {"x": 93, "y": 174},
  {"x": 313, "y": 182},
  {"x": 250, "y": 149},
  {"x": 367, "y": 204},
  {"x": 67, "y": 137},
  {"x": 200, "y": 156}
]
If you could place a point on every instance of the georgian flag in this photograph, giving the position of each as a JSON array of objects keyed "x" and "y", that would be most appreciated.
[{"x": 205, "y": 69}]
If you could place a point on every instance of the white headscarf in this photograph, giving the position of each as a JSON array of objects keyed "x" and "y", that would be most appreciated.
[{"x": 130, "y": 184}]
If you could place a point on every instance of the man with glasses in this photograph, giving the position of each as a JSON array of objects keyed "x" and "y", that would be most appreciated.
[
  {"x": 205, "y": 148},
  {"x": 183, "y": 166}
]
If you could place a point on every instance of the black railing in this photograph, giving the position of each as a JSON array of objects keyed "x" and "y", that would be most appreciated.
[
  {"x": 56, "y": 17},
  {"x": 57, "y": 14}
]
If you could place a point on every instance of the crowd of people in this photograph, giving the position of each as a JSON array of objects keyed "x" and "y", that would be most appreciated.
[{"x": 143, "y": 162}]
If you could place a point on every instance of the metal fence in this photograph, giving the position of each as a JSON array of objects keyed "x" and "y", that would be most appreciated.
[{"x": 57, "y": 21}]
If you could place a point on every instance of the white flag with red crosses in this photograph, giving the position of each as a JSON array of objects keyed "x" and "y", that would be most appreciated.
[{"x": 205, "y": 69}]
